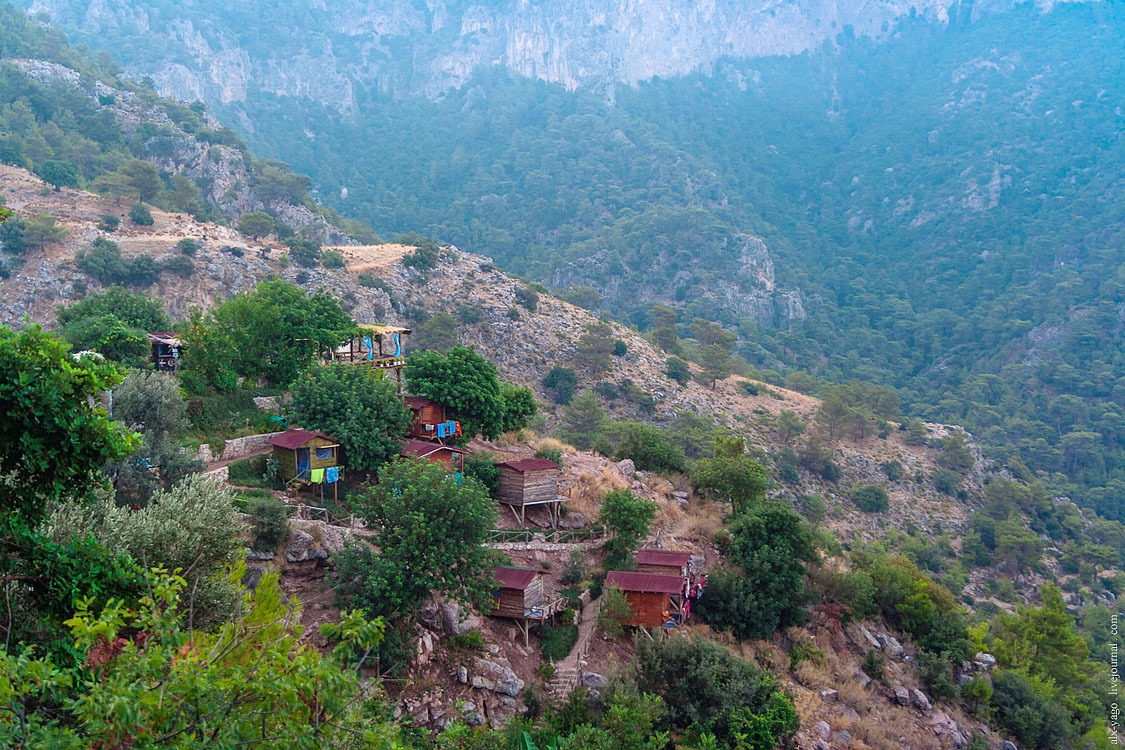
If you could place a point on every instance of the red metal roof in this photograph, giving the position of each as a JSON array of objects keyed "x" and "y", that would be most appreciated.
[
  {"x": 529, "y": 464},
  {"x": 662, "y": 557},
  {"x": 514, "y": 578},
  {"x": 423, "y": 448},
  {"x": 645, "y": 582},
  {"x": 293, "y": 439}
]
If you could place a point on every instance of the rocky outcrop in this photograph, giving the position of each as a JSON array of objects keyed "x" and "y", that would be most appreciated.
[
  {"x": 221, "y": 170},
  {"x": 426, "y": 49}
]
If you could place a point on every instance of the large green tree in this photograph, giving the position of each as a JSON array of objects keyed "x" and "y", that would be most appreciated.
[
  {"x": 357, "y": 406},
  {"x": 627, "y": 516},
  {"x": 465, "y": 382},
  {"x": 429, "y": 532},
  {"x": 762, "y": 587},
  {"x": 274, "y": 332},
  {"x": 114, "y": 323}
]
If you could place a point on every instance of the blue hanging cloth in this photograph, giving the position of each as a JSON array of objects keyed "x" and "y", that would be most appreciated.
[
  {"x": 398, "y": 346},
  {"x": 370, "y": 348},
  {"x": 331, "y": 474}
]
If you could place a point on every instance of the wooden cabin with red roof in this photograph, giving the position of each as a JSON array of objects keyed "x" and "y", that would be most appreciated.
[
  {"x": 299, "y": 453},
  {"x": 668, "y": 562},
  {"x": 449, "y": 456},
  {"x": 530, "y": 481},
  {"x": 519, "y": 594},
  {"x": 427, "y": 414},
  {"x": 657, "y": 600}
]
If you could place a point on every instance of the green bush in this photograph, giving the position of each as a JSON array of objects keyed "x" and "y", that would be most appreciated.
[
  {"x": 1027, "y": 714},
  {"x": 649, "y": 447},
  {"x": 678, "y": 370},
  {"x": 332, "y": 259},
  {"x": 870, "y": 498},
  {"x": 178, "y": 265},
  {"x": 188, "y": 246},
  {"x": 271, "y": 522},
  {"x": 248, "y": 472},
  {"x": 561, "y": 381},
  {"x": 615, "y": 613},
  {"x": 472, "y": 641},
  {"x": 551, "y": 454},
  {"x": 946, "y": 481},
  {"x": 894, "y": 470},
  {"x": 709, "y": 690},
  {"x": 620, "y": 348},
  {"x": 482, "y": 466},
  {"x": 528, "y": 298},
  {"x": 556, "y": 641},
  {"x": 873, "y": 664},
  {"x": 140, "y": 215},
  {"x": 109, "y": 223},
  {"x": 575, "y": 569}
]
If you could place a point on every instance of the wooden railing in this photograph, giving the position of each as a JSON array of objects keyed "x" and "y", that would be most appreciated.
[{"x": 550, "y": 536}]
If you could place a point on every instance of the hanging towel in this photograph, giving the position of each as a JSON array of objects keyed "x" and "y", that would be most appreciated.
[
  {"x": 317, "y": 476},
  {"x": 370, "y": 348},
  {"x": 331, "y": 474},
  {"x": 398, "y": 346}
]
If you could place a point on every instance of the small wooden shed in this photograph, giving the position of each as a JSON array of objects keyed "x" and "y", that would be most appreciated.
[
  {"x": 450, "y": 456},
  {"x": 667, "y": 562},
  {"x": 427, "y": 414},
  {"x": 166, "y": 351},
  {"x": 301, "y": 452},
  {"x": 530, "y": 481},
  {"x": 657, "y": 600},
  {"x": 519, "y": 594}
]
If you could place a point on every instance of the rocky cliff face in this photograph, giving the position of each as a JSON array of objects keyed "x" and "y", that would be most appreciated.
[
  {"x": 330, "y": 52},
  {"x": 221, "y": 170}
]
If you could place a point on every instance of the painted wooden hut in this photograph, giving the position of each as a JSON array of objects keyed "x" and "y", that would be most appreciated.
[
  {"x": 519, "y": 594},
  {"x": 426, "y": 415},
  {"x": 530, "y": 481},
  {"x": 657, "y": 600},
  {"x": 666, "y": 562},
  {"x": 300, "y": 453},
  {"x": 167, "y": 350},
  {"x": 450, "y": 456}
]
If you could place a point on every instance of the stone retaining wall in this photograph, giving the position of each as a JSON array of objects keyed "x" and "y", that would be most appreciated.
[{"x": 237, "y": 448}]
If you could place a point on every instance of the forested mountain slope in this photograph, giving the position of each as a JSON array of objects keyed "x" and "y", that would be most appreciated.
[{"x": 940, "y": 195}]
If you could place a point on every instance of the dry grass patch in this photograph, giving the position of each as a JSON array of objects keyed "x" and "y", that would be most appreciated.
[{"x": 551, "y": 444}]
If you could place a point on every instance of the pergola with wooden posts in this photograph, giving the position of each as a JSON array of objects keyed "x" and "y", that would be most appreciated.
[
  {"x": 378, "y": 346},
  {"x": 530, "y": 481},
  {"x": 519, "y": 595},
  {"x": 656, "y": 600}
]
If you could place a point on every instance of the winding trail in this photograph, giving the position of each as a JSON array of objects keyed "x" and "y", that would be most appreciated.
[{"x": 568, "y": 671}]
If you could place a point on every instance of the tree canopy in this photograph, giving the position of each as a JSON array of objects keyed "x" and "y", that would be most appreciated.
[{"x": 357, "y": 406}]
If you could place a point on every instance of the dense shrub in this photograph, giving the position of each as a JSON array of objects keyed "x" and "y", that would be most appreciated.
[
  {"x": 188, "y": 246},
  {"x": 870, "y": 498},
  {"x": 248, "y": 472},
  {"x": 332, "y": 259},
  {"x": 482, "y": 467},
  {"x": 140, "y": 215},
  {"x": 527, "y": 297},
  {"x": 649, "y": 447},
  {"x": 708, "y": 689},
  {"x": 1027, "y": 714},
  {"x": 678, "y": 370},
  {"x": 103, "y": 262},
  {"x": 561, "y": 381},
  {"x": 556, "y": 641},
  {"x": 270, "y": 518}
]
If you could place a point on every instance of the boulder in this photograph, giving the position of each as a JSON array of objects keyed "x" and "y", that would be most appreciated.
[
  {"x": 843, "y": 738},
  {"x": 823, "y": 730},
  {"x": 1007, "y": 745},
  {"x": 574, "y": 520},
  {"x": 828, "y": 696},
  {"x": 987, "y": 661},
  {"x": 902, "y": 696},
  {"x": 890, "y": 645},
  {"x": 920, "y": 701},
  {"x": 429, "y": 614},
  {"x": 594, "y": 682},
  {"x": 456, "y": 620},
  {"x": 501, "y": 677},
  {"x": 945, "y": 727},
  {"x": 300, "y": 547},
  {"x": 627, "y": 467}
]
